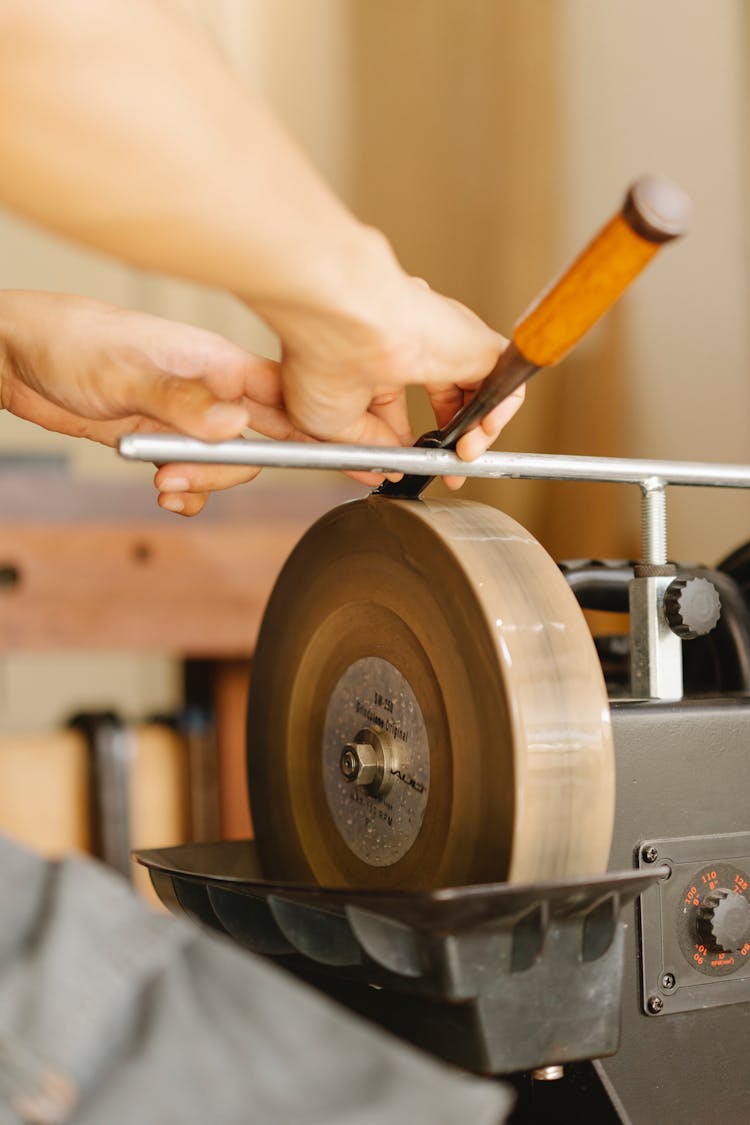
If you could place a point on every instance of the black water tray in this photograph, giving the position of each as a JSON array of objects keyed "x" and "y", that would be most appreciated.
[{"x": 497, "y": 978}]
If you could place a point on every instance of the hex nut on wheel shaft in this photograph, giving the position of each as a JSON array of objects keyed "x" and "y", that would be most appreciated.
[{"x": 368, "y": 761}]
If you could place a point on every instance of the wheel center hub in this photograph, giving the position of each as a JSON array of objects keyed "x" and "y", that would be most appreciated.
[{"x": 376, "y": 776}]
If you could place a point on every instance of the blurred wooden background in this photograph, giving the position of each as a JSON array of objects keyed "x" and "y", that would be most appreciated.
[{"x": 488, "y": 139}]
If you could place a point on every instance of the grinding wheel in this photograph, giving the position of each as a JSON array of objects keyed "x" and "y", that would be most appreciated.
[{"x": 427, "y": 707}]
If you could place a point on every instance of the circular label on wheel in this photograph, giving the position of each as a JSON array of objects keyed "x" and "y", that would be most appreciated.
[{"x": 378, "y": 827}]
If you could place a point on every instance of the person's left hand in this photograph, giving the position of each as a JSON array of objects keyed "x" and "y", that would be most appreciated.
[{"x": 88, "y": 369}]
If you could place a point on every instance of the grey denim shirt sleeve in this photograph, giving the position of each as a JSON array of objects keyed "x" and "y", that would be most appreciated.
[{"x": 114, "y": 1014}]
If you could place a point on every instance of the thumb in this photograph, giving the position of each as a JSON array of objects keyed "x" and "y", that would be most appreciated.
[{"x": 186, "y": 405}]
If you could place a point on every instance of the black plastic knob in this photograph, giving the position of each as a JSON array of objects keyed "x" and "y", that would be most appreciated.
[
  {"x": 692, "y": 607},
  {"x": 724, "y": 920}
]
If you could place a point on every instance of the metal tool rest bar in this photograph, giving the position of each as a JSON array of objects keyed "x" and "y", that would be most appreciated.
[{"x": 656, "y": 650}]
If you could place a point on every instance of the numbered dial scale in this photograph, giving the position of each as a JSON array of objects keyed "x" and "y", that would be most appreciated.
[
  {"x": 714, "y": 927},
  {"x": 695, "y": 924}
]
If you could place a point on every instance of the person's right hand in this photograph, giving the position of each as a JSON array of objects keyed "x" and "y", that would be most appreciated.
[{"x": 352, "y": 352}]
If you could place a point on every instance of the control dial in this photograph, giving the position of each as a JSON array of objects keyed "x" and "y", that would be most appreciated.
[
  {"x": 723, "y": 921},
  {"x": 713, "y": 927}
]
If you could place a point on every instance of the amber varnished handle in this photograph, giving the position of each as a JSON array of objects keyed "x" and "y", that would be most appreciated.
[{"x": 654, "y": 212}]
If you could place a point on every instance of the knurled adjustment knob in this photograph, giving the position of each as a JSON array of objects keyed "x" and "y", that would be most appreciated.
[
  {"x": 692, "y": 607},
  {"x": 723, "y": 921}
]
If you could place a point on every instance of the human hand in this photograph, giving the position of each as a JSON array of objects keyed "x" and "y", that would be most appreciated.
[
  {"x": 255, "y": 220},
  {"x": 353, "y": 350},
  {"x": 254, "y": 217},
  {"x": 87, "y": 369}
]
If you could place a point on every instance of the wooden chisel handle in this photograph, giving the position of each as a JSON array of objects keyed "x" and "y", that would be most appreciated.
[{"x": 654, "y": 211}]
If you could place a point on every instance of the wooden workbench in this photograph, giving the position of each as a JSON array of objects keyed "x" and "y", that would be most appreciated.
[{"x": 97, "y": 565}]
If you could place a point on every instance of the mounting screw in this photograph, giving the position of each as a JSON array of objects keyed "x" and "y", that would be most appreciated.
[
  {"x": 650, "y": 854},
  {"x": 654, "y": 521},
  {"x": 668, "y": 981},
  {"x": 548, "y": 1073},
  {"x": 350, "y": 763},
  {"x": 655, "y": 1005}
]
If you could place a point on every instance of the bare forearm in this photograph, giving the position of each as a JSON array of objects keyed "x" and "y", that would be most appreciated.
[{"x": 122, "y": 127}]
